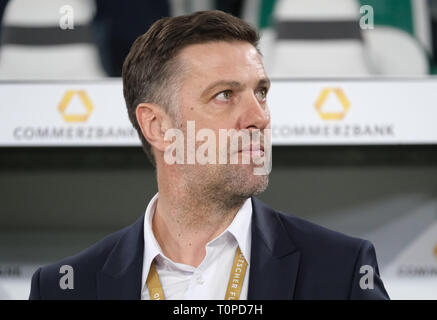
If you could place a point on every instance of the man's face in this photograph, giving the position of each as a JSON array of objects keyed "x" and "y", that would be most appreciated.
[{"x": 224, "y": 86}]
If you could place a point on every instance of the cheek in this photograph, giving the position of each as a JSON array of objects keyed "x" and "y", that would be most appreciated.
[
  {"x": 204, "y": 115},
  {"x": 215, "y": 122},
  {"x": 187, "y": 103}
]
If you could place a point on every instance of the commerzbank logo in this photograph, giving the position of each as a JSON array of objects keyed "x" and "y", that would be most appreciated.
[
  {"x": 326, "y": 122},
  {"x": 77, "y": 115},
  {"x": 341, "y": 108},
  {"x": 75, "y": 108}
]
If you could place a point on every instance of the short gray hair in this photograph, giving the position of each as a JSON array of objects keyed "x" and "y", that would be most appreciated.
[{"x": 151, "y": 65}]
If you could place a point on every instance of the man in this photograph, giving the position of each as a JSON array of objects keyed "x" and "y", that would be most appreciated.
[{"x": 204, "y": 235}]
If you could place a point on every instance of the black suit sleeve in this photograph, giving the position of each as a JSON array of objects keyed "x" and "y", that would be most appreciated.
[
  {"x": 35, "y": 288},
  {"x": 366, "y": 281}
]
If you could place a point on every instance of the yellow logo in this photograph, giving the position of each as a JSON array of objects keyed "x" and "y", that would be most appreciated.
[
  {"x": 66, "y": 99},
  {"x": 435, "y": 250},
  {"x": 345, "y": 104}
]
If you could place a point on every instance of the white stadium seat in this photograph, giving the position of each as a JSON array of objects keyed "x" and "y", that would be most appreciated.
[
  {"x": 318, "y": 38},
  {"x": 35, "y": 47}
]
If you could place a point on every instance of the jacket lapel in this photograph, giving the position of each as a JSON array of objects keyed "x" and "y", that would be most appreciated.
[
  {"x": 274, "y": 258},
  {"x": 120, "y": 277}
]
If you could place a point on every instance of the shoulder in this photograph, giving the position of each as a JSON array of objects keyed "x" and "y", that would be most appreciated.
[
  {"x": 83, "y": 265},
  {"x": 94, "y": 255},
  {"x": 329, "y": 261},
  {"x": 321, "y": 250},
  {"x": 323, "y": 247},
  {"x": 306, "y": 234},
  {"x": 332, "y": 263}
]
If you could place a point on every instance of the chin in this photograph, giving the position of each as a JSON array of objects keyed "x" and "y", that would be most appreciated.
[
  {"x": 261, "y": 186},
  {"x": 252, "y": 184}
]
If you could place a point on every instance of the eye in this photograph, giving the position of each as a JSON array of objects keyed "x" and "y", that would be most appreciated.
[
  {"x": 224, "y": 96},
  {"x": 261, "y": 94}
]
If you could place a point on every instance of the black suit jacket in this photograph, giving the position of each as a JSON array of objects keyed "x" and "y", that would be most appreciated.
[{"x": 290, "y": 259}]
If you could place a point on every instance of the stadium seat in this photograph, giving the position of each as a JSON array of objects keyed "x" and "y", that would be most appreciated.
[
  {"x": 317, "y": 38},
  {"x": 35, "y": 47}
]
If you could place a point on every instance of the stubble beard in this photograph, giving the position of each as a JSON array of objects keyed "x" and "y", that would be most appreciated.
[{"x": 224, "y": 186}]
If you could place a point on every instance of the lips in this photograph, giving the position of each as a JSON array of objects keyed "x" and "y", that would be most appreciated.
[{"x": 253, "y": 148}]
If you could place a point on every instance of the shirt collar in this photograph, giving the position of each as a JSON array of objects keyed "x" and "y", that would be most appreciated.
[
  {"x": 151, "y": 246},
  {"x": 240, "y": 228}
]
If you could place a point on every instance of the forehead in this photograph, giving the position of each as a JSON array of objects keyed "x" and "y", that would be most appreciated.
[{"x": 237, "y": 60}]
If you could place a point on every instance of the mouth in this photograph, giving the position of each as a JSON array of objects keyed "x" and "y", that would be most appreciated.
[{"x": 253, "y": 150}]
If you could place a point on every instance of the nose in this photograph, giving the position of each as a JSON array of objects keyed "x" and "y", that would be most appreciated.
[{"x": 254, "y": 114}]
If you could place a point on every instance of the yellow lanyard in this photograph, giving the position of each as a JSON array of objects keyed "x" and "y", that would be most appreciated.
[{"x": 234, "y": 285}]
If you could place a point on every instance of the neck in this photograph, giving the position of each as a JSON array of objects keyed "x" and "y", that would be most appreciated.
[{"x": 184, "y": 223}]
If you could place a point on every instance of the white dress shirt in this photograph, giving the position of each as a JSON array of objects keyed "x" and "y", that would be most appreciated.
[{"x": 209, "y": 280}]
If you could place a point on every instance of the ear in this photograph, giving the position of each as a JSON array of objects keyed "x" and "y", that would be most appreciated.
[{"x": 153, "y": 122}]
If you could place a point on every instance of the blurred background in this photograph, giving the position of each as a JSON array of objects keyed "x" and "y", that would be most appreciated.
[
  {"x": 61, "y": 191},
  {"x": 299, "y": 38}
]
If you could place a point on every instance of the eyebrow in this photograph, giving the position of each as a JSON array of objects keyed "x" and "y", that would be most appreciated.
[
  {"x": 234, "y": 85},
  {"x": 264, "y": 82}
]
